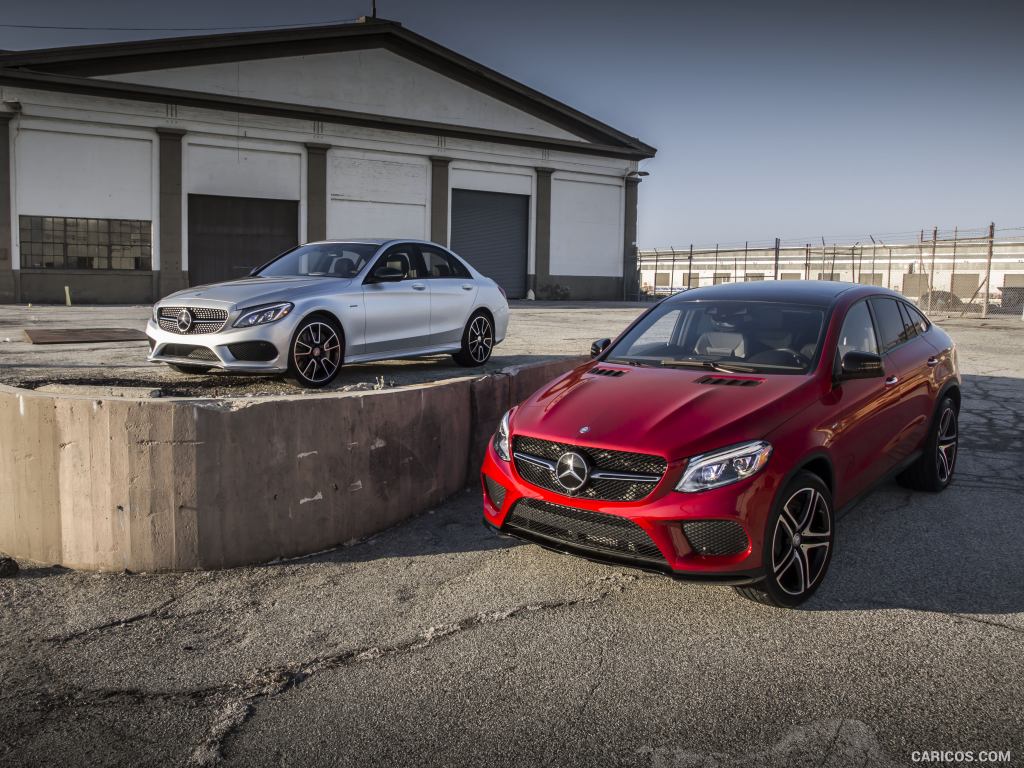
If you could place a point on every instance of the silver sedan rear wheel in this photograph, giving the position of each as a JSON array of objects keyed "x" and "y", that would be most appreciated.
[
  {"x": 477, "y": 341},
  {"x": 317, "y": 352}
]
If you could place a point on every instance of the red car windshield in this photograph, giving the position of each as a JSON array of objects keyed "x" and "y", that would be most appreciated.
[{"x": 742, "y": 336}]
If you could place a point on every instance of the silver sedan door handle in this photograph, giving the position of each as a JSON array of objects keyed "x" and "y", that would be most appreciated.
[
  {"x": 419, "y": 287},
  {"x": 467, "y": 287},
  {"x": 892, "y": 380},
  {"x": 932, "y": 362}
]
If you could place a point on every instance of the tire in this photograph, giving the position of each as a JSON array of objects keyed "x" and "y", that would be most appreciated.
[
  {"x": 194, "y": 370},
  {"x": 798, "y": 544},
  {"x": 477, "y": 341},
  {"x": 933, "y": 471},
  {"x": 316, "y": 352}
]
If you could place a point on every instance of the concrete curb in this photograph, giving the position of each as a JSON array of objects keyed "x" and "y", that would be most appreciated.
[{"x": 180, "y": 484}]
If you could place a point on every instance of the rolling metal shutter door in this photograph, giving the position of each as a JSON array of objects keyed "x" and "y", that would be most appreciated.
[
  {"x": 491, "y": 231},
  {"x": 228, "y": 236}
]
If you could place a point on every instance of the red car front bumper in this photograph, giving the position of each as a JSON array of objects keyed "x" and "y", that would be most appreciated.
[{"x": 664, "y": 517}]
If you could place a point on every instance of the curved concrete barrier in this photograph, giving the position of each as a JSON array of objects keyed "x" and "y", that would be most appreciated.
[{"x": 178, "y": 484}]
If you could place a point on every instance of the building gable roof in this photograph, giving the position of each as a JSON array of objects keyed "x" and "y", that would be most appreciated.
[{"x": 78, "y": 68}]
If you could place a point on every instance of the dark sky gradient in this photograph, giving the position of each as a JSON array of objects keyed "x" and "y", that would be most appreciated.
[{"x": 771, "y": 118}]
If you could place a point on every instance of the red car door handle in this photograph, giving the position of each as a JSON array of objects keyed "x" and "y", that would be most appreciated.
[
  {"x": 892, "y": 380},
  {"x": 932, "y": 362}
]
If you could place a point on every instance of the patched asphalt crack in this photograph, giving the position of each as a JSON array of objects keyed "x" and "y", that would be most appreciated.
[
  {"x": 158, "y": 612},
  {"x": 115, "y": 623}
]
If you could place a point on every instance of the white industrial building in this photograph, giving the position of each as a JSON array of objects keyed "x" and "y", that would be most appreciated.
[{"x": 130, "y": 170}]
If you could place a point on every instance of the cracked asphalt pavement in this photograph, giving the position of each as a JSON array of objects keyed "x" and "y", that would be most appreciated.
[{"x": 438, "y": 643}]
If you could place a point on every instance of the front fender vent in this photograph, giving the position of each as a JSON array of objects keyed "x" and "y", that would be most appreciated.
[{"x": 728, "y": 381}]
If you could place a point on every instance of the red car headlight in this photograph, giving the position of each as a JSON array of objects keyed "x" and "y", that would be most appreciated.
[
  {"x": 502, "y": 447},
  {"x": 729, "y": 465}
]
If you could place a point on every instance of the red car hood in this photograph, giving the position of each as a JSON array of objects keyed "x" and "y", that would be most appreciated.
[{"x": 663, "y": 411}]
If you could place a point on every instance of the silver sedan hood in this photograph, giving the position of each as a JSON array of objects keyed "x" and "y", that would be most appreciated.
[{"x": 252, "y": 291}]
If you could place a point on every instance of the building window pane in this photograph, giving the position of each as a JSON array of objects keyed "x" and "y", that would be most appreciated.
[{"x": 57, "y": 242}]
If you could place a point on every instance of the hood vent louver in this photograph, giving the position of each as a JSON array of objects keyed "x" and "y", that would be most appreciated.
[
  {"x": 726, "y": 381},
  {"x": 607, "y": 372}
]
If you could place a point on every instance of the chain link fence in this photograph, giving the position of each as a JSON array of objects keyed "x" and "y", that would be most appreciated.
[{"x": 977, "y": 272}]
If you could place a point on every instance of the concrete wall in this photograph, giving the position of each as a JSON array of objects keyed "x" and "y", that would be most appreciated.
[
  {"x": 180, "y": 484},
  {"x": 46, "y": 286}
]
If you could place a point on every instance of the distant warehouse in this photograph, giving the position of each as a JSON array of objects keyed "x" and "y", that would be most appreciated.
[{"x": 130, "y": 170}]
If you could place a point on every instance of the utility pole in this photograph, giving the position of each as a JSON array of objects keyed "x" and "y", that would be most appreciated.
[
  {"x": 931, "y": 272},
  {"x": 776, "y": 258},
  {"x": 807, "y": 261},
  {"x": 952, "y": 276},
  {"x": 746, "y": 245},
  {"x": 988, "y": 268},
  {"x": 874, "y": 246},
  {"x": 714, "y": 274},
  {"x": 689, "y": 269}
]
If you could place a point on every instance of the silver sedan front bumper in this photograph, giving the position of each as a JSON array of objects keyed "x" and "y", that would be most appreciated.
[{"x": 260, "y": 349}]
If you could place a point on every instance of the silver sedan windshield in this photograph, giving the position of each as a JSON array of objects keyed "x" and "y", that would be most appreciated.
[{"x": 321, "y": 259}]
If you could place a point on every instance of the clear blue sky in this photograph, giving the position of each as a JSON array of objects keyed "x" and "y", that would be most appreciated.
[{"x": 770, "y": 118}]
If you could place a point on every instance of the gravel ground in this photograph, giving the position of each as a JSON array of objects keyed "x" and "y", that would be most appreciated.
[
  {"x": 438, "y": 643},
  {"x": 537, "y": 331}
]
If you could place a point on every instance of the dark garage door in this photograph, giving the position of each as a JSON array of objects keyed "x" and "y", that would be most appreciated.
[
  {"x": 228, "y": 236},
  {"x": 490, "y": 230}
]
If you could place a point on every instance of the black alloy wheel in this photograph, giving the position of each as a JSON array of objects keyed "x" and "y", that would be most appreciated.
[
  {"x": 477, "y": 341},
  {"x": 798, "y": 544},
  {"x": 317, "y": 352},
  {"x": 933, "y": 471}
]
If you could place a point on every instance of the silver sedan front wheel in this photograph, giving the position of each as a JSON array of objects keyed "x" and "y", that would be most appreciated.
[{"x": 317, "y": 352}]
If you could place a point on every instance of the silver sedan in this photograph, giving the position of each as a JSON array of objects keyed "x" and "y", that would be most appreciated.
[{"x": 327, "y": 303}]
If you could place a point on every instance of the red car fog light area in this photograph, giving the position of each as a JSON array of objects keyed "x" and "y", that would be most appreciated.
[
  {"x": 710, "y": 538},
  {"x": 495, "y": 491}
]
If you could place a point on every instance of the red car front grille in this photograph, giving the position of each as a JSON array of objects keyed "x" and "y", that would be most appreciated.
[{"x": 599, "y": 459}]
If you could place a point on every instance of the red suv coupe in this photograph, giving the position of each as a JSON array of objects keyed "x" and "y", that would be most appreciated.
[{"x": 717, "y": 437}]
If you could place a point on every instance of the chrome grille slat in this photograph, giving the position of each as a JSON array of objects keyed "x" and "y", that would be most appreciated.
[{"x": 204, "y": 319}]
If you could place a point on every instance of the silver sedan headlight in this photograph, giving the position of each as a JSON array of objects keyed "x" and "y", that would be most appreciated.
[
  {"x": 263, "y": 315},
  {"x": 501, "y": 437},
  {"x": 729, "y": 465}
]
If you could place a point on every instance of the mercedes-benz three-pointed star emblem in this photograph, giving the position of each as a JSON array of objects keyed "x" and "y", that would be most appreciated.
[
  {"x": 184, "y": 320},
  {"x": 572, "y": 471}
]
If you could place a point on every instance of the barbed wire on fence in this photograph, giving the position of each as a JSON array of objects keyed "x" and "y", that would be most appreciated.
[{"x": 964, "y": 269}]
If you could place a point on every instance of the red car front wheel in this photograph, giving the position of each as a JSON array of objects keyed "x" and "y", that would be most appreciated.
[{"x": 798, "y": 544}]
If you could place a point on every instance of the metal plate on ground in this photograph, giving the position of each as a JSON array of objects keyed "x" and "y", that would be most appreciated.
[{"x": 82, "y": 335}]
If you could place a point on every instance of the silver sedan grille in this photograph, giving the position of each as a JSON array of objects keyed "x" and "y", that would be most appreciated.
[{"x": 202, "y": 319}]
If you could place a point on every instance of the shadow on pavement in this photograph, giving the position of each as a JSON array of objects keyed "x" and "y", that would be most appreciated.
[{"x": 959, "y": 551}]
